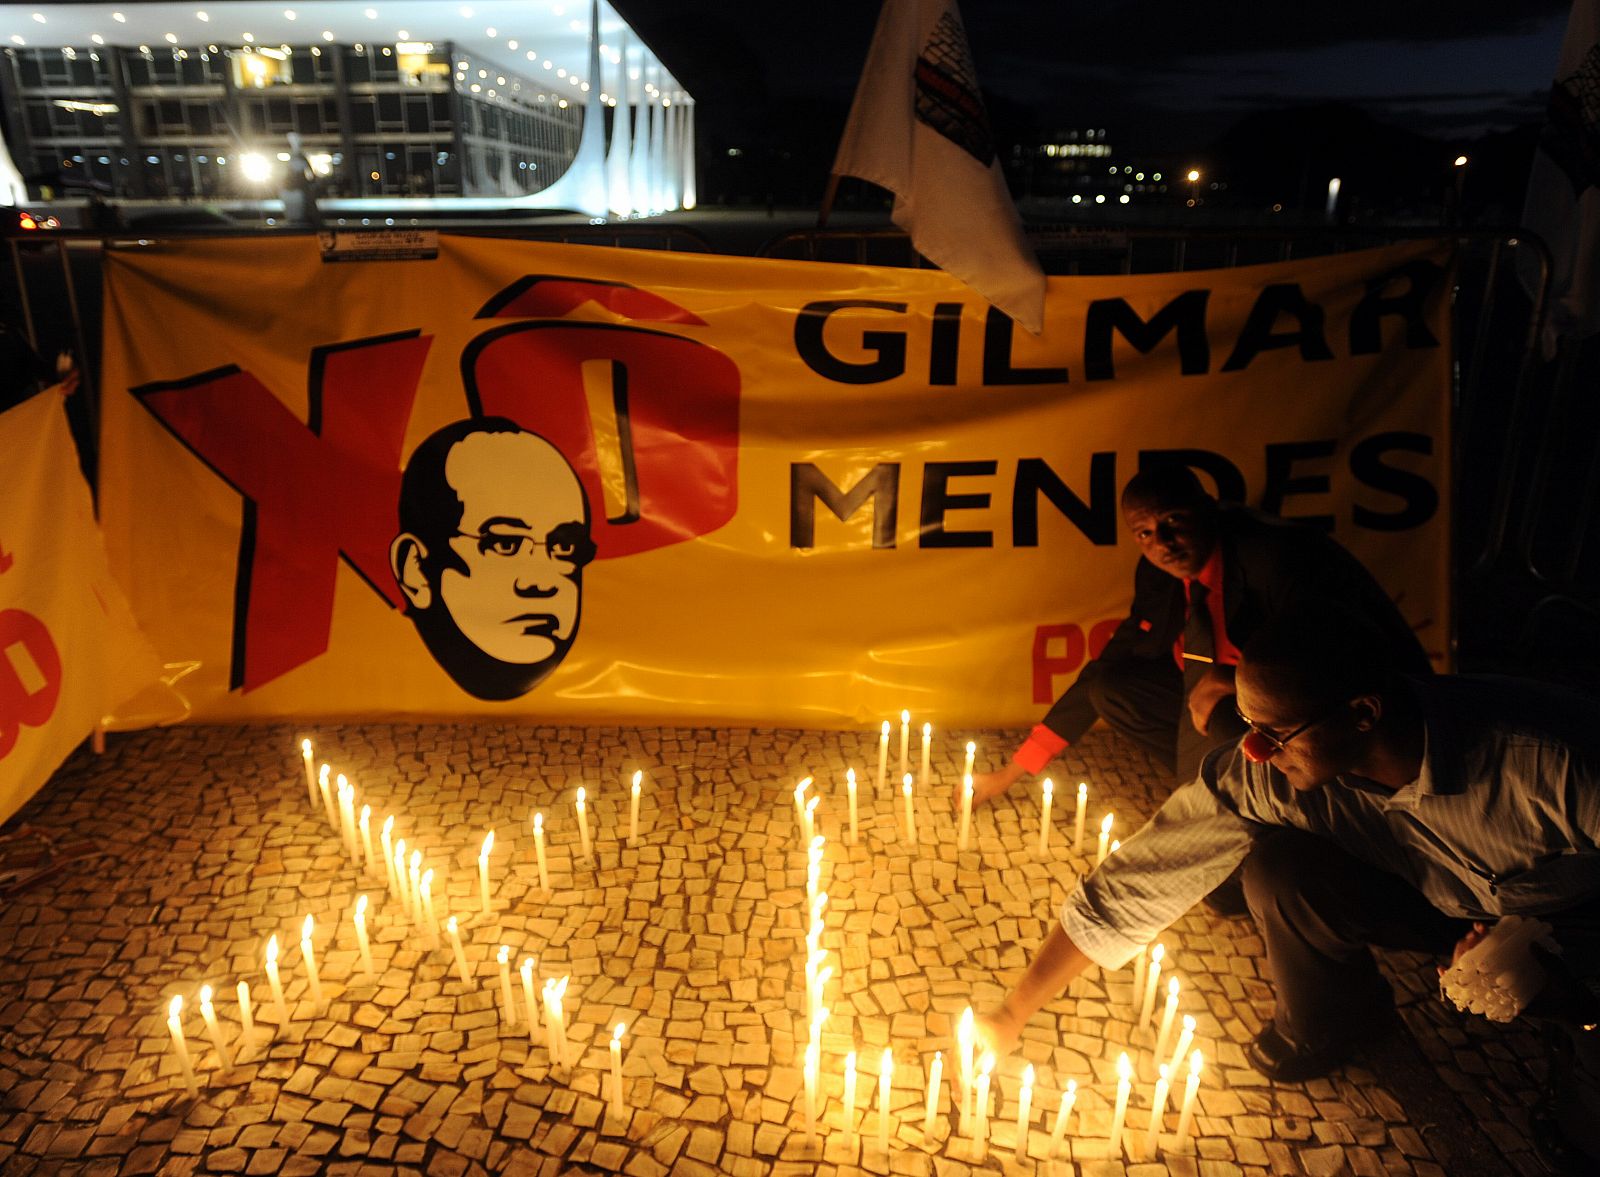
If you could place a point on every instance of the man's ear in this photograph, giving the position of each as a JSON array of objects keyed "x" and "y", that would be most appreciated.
[
  {"x": 1369, "y": 711},
  {"x": 406, "y": 554}
]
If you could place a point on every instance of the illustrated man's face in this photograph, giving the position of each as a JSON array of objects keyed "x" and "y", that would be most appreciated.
[
  {"x": 517, "y": 589},
  {"x": 497, "y": 600},
  {"x": 1176, "y": 539}
]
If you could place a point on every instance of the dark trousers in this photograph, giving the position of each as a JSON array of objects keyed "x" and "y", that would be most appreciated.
[{"x": 1143, "y": 699}]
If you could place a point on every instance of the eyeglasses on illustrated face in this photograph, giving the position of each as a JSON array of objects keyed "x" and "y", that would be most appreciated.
[{"x": 568, "y": 544}]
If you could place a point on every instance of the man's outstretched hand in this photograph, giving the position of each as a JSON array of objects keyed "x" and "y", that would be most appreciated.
[
  {"x": 988, "y": 785},
  {"x": 997, "y": 1032}
]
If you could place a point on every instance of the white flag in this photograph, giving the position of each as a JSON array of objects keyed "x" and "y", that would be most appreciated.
[
  {"x": 918, "y": 128},
  {"x": 1563, "y": 204},
  {"x": 70, "y": 651}
]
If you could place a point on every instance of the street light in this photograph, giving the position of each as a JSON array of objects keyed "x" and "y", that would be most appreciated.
[{"x": 1194, "y": 187}]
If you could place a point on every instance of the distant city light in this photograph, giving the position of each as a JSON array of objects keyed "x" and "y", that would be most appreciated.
[
  {"x": 256, "y": 167},
  {"x": 1193, "y": 175},
  {"x": 1461, "y": 161}
]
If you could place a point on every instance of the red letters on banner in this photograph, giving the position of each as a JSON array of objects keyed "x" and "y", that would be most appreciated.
[{"x": 23, "y": 704}]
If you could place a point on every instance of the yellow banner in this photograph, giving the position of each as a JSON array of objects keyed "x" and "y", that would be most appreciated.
[{"x": 603, "y": 485}]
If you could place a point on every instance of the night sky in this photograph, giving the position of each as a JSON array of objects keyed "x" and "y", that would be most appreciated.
[{"x": 1162, "y": 75}]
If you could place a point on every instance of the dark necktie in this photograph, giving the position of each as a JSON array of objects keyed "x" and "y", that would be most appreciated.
[{"x": 1199, "y": 646}]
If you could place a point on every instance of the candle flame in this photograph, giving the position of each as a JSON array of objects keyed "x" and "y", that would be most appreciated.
[
  {"x": 305, "y": 747},
  {"x": 538, "y": 823},
  {"x": 272, "y": 949},
  {"x": 938, "y": 1058},
  {"x": 450, "y": 925},
  {"x": 322, "y": 775},
  {"x": 1105, "y": 825},
  {"x": 965, "y": 1027},
  {"x": 1157, "y": 953},
  {"x": 986, "y": 1063},
  {"x": 400, "y": 851},
  {"x": 1049, "y": 787},
  {"x": 886, "y": 727},
  {"x": 1163, "y": 1072},
  {"x": 971, "y": 747},
  {"x": 800, "y": 789},
  {"x": 1195, "y": 1063},
  {"x": 361, "y": 906},
  {"x": 1027, "y": 1077},
  {"x": 850, "y": 775},
  {"x": 927, "y": 730},
  {"x": 341, "y": 782},
  {"x": 1072, "y": 1087},
  {"x": 1172, "y": 988},
  {"x": 1124, "y": 1067},
  {"x": 527, "y": 968},
  {"x": 205, "y": 995},
  {"x": 306, "y": 928},
  {"x": 427, "y": 879},
  {"x": 1116, "y": 844},
  {"x": 637, "y": 777},
  {"x": 488, "y": 843},
  {"x": 175, "y": 1006},
  {"x": 621, "y": 1029},
  {"x": 1188, "y": 1024},
  {"x": 366, "y": 815},
  {"x": 505, "y": 953},
  {"x": 811, "y": 805},
  {"x": 905, "y": 782},
  {"x": 388, "y": 824},
  {"x": 416, "y": 860},
  {"x": 582, "y": 793},
  {"x": 905, "y": 717},
  {"x": 1083, "y": 790}
]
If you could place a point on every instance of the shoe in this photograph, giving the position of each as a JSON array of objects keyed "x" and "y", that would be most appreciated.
[
  {"x": 1278, "y": 1059},
  {"x": 1550, "y": 1141},
  {"x": 1227, "y": 899}
]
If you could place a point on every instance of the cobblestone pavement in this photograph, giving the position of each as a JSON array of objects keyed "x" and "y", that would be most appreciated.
[{"x": 694, "y": 937}]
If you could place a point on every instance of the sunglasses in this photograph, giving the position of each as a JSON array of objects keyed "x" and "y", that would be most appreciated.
[{"x": 1278, "y": 743}]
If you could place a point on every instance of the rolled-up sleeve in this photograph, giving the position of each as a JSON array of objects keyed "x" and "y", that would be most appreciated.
[{"x": 1192, "y": 844}]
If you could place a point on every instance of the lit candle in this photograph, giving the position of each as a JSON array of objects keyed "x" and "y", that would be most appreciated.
[
  {"x": 507, "y": 1010},
  {"x": 1068, "y": 1098},
  {"x": 311, "y": 776},
  {"x": 327, "y": 798},
  {"x": 209, "y": 1013},
  {"x": 618, "y": 1107},
  {"x": 814, "y": 868},
  {"x": 527, "y": 996},
  {"x": 314, "y": 981},
  {"x": 966, "y": 1041},
  {"x": 1024, "y": 1114},
  {"x": 430, "y": 922},
  {"x": 1186, "y": 1114},
  {"x": 1168, "y": 1017},
  {"x": 247, "y": 1018},
  {"x": 935, "y": 1075},
  {"x": 847, "y": 1113},
  {"x": 400, "y": 878},
  {"x": 365, "y": 823},
  {"x": 905, "y": 742},
  {"x": 455, "y": 946},
  {"x": 1185, "y": 1041},
  {"x": 1136, "y": 994},
  {"x": 1116, "y": 844},
  {"x": 911, "y": 818},
  {"x": 800, "y": 809},
  {"x": 811, "y": 818},
  {"x": 850, "y": 786},
  {"x": 1158, "y": 1110},
  {"x": 360, "y": 918},
  {"x": 276, "y": 983},
  {"x": 583, "y": 820},
  {"x": 1044, "y": 816},
  {"x": 980, "y": 1118},
  {"x": 483, "y": 870},
  {"x": 883, "y": 757},
  {"x": 553, "y": 991},
  {"x": 813, "y": 1059},
  {"x": 1077, "y": 817},
  {"x": 1147, "y": 1007},
  {"x": 927, "y": 735},
  {"x": 1124, "y": 1082},
  {"x": 414, "y": 885},
  {"x": 388, "y": 855},
  {"x": 1105, "y": 840},
  {"x": 885, "y": 1081},
  {"x": 966, "y": 812},
  {"x": 972, "y": 751},
  {"x": 633, "y": 811},
  {"x": 179, "y": 1046},
  {"x": 538, "y": 849},
  {"x": 347, "y": 820}
]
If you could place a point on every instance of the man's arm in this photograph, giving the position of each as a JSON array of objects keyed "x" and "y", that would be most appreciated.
[{"x": 1052, "y": 969}]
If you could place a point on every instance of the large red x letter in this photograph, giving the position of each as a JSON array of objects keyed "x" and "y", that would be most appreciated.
[{"x": 313, "y": 492}]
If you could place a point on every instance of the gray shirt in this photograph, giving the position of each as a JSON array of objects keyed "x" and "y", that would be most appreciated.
[{"x": 1503, "y": 819}]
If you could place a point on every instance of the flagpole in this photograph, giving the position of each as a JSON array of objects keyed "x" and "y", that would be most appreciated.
[{"x": 827, "y": 200}]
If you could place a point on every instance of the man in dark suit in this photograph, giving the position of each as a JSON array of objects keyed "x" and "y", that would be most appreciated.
[{"x": 1209, "y": 576}]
